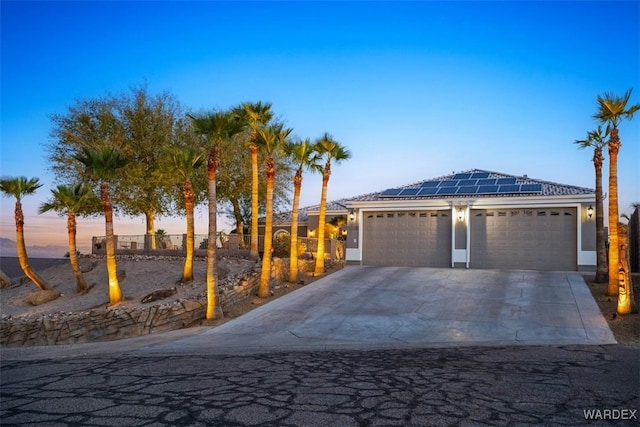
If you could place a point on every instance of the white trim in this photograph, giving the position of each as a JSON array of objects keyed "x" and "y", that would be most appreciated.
[
  {"x": 352, "y": 254},
  {"x": 459, "y": 255},
  {"x": 454, "y": 219},
  {"x": 468, "y": 226}
]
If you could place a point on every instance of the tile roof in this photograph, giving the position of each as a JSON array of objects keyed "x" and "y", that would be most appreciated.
[{"x": 548, "y": 189}]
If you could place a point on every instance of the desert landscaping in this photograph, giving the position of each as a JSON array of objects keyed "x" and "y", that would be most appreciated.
[{"x": 145, "y": 278}]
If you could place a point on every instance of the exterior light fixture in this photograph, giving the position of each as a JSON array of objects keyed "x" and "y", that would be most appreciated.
[
  {"x": 460, "y": 215},
  {"x": 352, "y": 216},
  {"x": 590, "y": 211}
]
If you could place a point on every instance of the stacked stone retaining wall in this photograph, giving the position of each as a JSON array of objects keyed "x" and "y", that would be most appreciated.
[
  {"x": 112, "y": 323},
  {"x": 105, "y": 324}
]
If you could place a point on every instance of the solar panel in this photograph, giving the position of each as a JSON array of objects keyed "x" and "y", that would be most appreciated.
[
  {"x": 480, "y": 175},
  {"x": 391, "y": 192},
  {"x": 487, "y": 181},
  {"x": 409, "y": 192},
  {"x": 447, "y": 190},
  {"x": 467, "y": 189},
  {"x": 466, "y": 182},
  {"x": 510, "y": 188},
  {"x": 449, "y": 183},
  {"x": 430, "y": 184},
  {"x": 530, "y": 188},
  {"x": 506, "y": 181},
  {"x": 462, "y": 176},
  {"x": 428, "y": 191},
  {"x": 487, "y": 189}
]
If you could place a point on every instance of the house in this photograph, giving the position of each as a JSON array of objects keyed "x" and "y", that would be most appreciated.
[{"x": 473, "y": 219}]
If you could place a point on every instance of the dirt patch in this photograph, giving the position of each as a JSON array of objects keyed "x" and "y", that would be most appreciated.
[
  {"x": 626, "y": 329},
  {"x": 140, "y": 276}
]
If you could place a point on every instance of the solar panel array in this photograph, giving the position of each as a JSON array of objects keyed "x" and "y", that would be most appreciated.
[{"x": 465, "y": 184}]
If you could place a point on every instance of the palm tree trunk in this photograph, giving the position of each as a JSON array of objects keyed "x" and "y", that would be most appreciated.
[
  {"x": 614, "y": 147},
  {"x": 115, "y": 293},
  {"x": 265, "y": 271},
  {"x": 321, "y": 221},
  {"x": 601, "y": 247},
  {"x": 253, "y": 252},
  {"x": 293, "y": 250},
  {"x": 23, "y": 259},
  {"x": 626, "y": 301},
  {"x": 151, "y": 229},
  {"x": 187, "y": 269},
  {"x": 212, "y": 301},
  {"x": 81, "y": 284}
]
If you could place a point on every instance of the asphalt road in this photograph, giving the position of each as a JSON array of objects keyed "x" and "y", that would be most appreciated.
[
  {"x": 518, "y": 385},
  {"x": 349, "y": 350}
]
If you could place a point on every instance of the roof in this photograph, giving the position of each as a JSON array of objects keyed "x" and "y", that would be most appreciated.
[{"x": 514, "y": 186}]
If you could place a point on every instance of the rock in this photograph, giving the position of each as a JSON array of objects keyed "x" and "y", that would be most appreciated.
[
  {"x": 41, "y": 297},
  {"x": 158, "y": 295}
]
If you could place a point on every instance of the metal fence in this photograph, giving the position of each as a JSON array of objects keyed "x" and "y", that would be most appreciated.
[{"x": 175, "y": 245}]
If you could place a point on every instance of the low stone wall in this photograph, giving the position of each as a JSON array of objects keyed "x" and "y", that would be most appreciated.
[
  {"x": 112, "y": 323},
  {"x": 105, "y": 324}
]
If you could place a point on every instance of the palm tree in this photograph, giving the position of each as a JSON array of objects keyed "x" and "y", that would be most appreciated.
[
  {"x": 331, "y": 151},
  {"x": 305, "y": 157},
  {"x": 612, "y": 110},
  {"x": 216, "y": 128},
  {"x": 71, "y": 200},
  {"x": 256, "y": 116},
  {"x": 270, "y": 139},
  {"x": 597, "y": 140},
  {"x": 102, "y": 166},
  {"x": 19, "y": 187},
  {"x": 185, "y": 162}
]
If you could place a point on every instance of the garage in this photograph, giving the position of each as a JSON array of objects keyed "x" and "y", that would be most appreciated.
[
  {"x": 407, "y": 238},
  {"x": 530, "y": 239}
]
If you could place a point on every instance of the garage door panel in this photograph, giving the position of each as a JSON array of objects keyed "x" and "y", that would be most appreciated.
[
  {"x": 539, "y": 239},
  {"x": 421, "y": 238}
]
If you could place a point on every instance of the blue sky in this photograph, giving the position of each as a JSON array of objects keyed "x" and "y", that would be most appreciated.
[{"x": 414, "y": 89}]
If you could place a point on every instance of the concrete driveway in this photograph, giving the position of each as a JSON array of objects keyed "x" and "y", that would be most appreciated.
[{"x": 395, "y": 307}]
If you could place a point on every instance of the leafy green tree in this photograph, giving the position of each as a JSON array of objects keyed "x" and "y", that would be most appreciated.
[
  {"x": 89, "y": 123},
  {"x": 234, "y": 182},
  {"x": 612, "y": 110},
  {"x": 305, "y": 158},
  {"x": 102, "y": 166},
  {"x": 596, "y": 139},
  {"x": 215, "y": 127},
  {"x": 149, "y": 123},
  {"x": 137, "y": 124},
  {"x": 271, "y": 139},
  {"x": 71, "y": 200},
  {"x": 19, "y": 187},
  {"x": 331, "y": 151}
]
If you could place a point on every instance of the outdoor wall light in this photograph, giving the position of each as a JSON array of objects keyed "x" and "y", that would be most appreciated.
[
  {"x": 590, "y": 211},
  {"x": 352, "y": 216},
  {"x": 460, "y": 215}
]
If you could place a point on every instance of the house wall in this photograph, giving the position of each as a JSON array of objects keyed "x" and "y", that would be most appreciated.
[{"x": 588, "y": 228}]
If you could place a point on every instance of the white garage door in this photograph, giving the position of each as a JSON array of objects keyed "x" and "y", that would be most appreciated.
[
  {"x": 418, "y": 239},
  {"x": 531, "y": 239}
]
